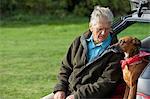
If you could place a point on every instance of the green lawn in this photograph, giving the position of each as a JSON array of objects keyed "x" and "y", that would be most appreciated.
[{"x": 30, "y": 54}]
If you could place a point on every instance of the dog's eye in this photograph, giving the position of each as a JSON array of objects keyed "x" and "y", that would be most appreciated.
[{"x": 122, "y": 41}]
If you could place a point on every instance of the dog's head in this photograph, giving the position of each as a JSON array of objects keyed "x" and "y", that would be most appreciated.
[{"x": 129, "y": 45}]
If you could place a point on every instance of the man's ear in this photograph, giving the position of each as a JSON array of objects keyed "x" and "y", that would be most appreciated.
[{"x": 90, "y": 27}]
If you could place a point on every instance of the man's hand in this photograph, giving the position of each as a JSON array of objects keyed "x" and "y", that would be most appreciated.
[
  {"x": 59, "y": 95},
  {"x": 70, "y": 97}
]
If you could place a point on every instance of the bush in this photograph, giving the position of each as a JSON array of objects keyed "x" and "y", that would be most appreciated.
[{"x": 60, "y": 7}]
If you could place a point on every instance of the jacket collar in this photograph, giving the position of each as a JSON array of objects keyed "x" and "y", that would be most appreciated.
[
  {"x": 83, "y": 38},
  {"x": 88, "y": 34},
  {"x": 113, "y": 48}
]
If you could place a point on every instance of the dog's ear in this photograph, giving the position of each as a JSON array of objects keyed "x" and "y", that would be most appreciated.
[
  {"x": 136, "y": 42},
  {"x": 134, "y": 52}
]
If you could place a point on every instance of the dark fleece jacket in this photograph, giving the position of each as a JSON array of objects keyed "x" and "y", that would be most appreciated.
[{"x": 95, "y": 79}]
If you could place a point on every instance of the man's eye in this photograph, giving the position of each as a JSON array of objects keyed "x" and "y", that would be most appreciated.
[{"x": 99, "y": 29}]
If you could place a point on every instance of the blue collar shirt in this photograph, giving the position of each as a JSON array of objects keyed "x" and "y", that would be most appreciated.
[{"x": 94, "y": 50}]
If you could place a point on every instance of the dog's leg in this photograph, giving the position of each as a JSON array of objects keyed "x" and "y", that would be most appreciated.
[
  {"x": 132, "y": 92},
  {"x": 126, "y": 92}
]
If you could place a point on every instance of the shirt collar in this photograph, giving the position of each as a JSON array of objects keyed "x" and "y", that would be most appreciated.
[
  {"x": 103, "y": 43},
  {"x": 90, "y": 39},
  {"x": 106, "y": 41}
]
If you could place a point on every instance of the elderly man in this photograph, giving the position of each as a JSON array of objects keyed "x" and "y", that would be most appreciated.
[{"x": 91, "y": 67}]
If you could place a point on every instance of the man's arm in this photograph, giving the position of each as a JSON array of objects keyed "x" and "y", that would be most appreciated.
[
  {"x": 66, "y": 68},
  {"x": 64, "y": 73}
]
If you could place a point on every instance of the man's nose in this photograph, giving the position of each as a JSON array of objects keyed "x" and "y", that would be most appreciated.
[{"x": 103, "y": 32}]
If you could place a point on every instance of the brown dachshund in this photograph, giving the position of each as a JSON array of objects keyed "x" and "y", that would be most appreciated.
[{"x": 132, "y": 65}]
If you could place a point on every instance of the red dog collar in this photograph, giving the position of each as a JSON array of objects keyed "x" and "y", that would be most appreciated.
[{"x": 135, "y": 59}]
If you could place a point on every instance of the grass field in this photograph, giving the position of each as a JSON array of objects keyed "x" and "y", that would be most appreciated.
[{"x": 30, "y": 54}]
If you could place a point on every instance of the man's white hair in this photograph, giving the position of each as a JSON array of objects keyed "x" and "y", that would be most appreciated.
[{"x": 99, "y": 13}]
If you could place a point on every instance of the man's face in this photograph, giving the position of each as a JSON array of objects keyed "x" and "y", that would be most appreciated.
[{"x": 100, "y": 31}]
